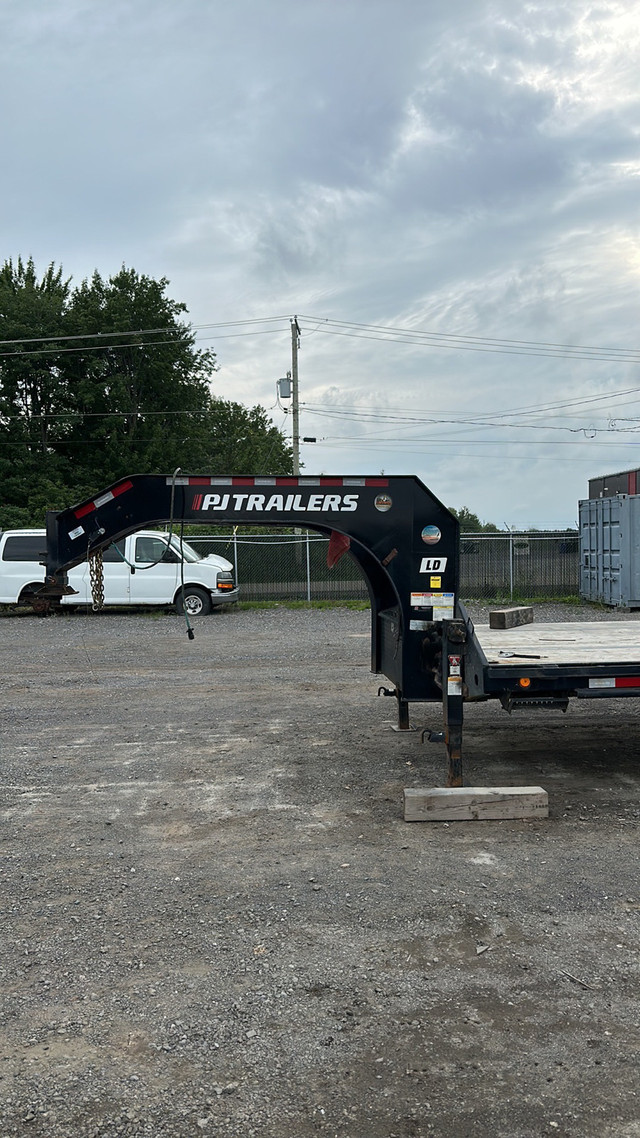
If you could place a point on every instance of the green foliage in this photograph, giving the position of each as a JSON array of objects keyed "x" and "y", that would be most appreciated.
[
  {"x": 470, "y": 522},
  {"x": 111, "y": 384}
]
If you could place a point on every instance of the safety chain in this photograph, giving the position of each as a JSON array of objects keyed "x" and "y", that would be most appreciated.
[{"x": 96, "y": 575}]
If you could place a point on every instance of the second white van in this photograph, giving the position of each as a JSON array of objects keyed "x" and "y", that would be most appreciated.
[{"x": 146, "y": 568}]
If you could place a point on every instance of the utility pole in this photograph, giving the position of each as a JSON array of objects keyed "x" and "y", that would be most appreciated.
[{"x": 295, "y": 344}]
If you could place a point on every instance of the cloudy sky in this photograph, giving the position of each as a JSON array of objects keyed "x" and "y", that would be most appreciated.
[{"x": 445, "y": 192}]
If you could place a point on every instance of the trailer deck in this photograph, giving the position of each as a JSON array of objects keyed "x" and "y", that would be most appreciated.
[{"x": 579, "y": 643}]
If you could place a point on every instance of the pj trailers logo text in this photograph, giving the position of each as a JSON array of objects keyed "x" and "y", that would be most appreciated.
[{"x": 282, "y": 503}]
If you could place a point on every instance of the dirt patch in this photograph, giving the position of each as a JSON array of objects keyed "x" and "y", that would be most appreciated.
[{"x": 215, "y": 920}]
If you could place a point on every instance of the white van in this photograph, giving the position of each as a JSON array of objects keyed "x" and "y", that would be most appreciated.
[{"x": 146, "y": 568}]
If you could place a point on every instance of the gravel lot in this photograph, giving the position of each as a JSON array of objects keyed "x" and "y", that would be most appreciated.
[{"x": 215, "y": 921}]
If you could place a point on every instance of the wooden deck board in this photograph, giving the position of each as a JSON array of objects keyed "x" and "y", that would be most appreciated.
[{"x": 569, "y": 642}]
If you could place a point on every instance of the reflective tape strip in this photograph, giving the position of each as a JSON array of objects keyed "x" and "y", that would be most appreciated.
[
  {"x": 284, "y": 480},
  {"x": 615, "y": 682},
  {"x": 103, "y": 499},
  {"x": 89, "y": 507},
  {"x": 82, "y": 511}
]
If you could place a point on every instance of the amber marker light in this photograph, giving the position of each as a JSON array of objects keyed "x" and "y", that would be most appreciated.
[{"x": 524, "y": 682}]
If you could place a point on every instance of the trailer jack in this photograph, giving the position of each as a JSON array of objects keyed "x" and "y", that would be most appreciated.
[{"x": 403, "y": 708}]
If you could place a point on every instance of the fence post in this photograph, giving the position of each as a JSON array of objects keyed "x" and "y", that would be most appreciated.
[
  {"x": 511, "y": 563},
  {"x": 235, "y": 556},
  {"x": 308, "y": 572}
]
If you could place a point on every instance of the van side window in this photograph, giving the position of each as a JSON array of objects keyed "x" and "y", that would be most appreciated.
[
  {"x": 110, "y": 555},
  {"x": 24, "y": 547},
  {"x": 150, "y": 549}
]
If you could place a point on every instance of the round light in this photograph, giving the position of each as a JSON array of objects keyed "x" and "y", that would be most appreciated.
[{"x": 524, "y": 682}]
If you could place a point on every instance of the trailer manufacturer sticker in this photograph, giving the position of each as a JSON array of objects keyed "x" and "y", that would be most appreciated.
[
  {"x": 282, "y": 503},
  {"x": 431, "y": 535}
]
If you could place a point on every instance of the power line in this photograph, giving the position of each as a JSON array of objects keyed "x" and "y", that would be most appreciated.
[
  {"x": 188, "y": 328},
  {"x": 425, "y": 446},
  {"x": 630, "y": 358},
  {"x": 387, "y": 332},
  {"x": 414, "y": 420},
  {"x": 87, "y": 348},
  {"x": 471, "y": 343}
]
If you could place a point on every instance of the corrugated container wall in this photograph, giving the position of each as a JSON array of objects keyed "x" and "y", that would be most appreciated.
[{"x": 610, "y": 550}]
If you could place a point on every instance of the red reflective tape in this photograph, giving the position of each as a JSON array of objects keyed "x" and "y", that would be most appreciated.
[
  {"x": 122, "y": 488},
  {"x": 376, "y": 481},
  {"x": 83, "y": 510},
  {"x": 330, "y": 481},
  {"x": 628, "y": 681},
  {"x": 243, "y": 482},
  {"x": 286, "y": 481},
  {"x": 199, "y": 481}
]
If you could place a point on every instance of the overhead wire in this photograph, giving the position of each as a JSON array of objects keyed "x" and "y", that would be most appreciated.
[
  {"x": 253, "y": 327},
  {"x": 87, "y": 348},
  {"x": 461, "y": 342},
  {"x": 143, "y": 331}
]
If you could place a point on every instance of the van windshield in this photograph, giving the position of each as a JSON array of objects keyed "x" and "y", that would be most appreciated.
[{"x": 188, "y": 552}]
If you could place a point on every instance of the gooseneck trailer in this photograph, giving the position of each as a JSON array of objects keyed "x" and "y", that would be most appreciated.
[{"x": 407, "y": 546}]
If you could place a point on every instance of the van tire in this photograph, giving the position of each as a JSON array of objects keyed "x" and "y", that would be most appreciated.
[{"x": 197, "y": 601}]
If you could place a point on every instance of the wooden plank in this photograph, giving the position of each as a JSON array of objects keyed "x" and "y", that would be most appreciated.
[
  {"x": 475, "y": 803},
  {"x": 510, "y": 618}
]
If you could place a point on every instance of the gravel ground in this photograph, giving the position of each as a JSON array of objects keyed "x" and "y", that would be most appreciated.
[{"x": 216, "y": 922}]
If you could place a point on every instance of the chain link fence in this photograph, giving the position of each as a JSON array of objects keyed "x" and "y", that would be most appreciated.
[{"x": 493, "y": 566}]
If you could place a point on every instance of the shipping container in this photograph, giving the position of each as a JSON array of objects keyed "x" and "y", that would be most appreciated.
[
  {"x": 610, "y": 550},
  {"x": 624, "y": 482}
]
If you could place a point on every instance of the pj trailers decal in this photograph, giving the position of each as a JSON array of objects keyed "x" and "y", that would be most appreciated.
[{"x": 283, "y": 503}]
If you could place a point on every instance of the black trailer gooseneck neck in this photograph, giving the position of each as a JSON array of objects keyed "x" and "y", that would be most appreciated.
[{"x": 403, "y": 538}]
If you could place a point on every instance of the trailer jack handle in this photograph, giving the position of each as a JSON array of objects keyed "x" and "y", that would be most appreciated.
[
  {"x": 403, "y": 707},
  {"x": 432, "y": 736}
]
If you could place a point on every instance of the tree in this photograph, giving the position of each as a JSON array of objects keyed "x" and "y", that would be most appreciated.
[
  {"x": 470, "y": 522},
  {"x": 106, "y": 380},
  {"x": 32, "y": 387}
]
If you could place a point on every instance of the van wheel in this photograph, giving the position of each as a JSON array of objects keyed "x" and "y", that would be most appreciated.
[{"x": 197, "y": 601}]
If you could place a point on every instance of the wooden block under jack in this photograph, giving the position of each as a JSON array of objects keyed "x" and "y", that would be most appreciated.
[
  {"x": 475, "y": 803},
  {"x": 511, "y": 618}
]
